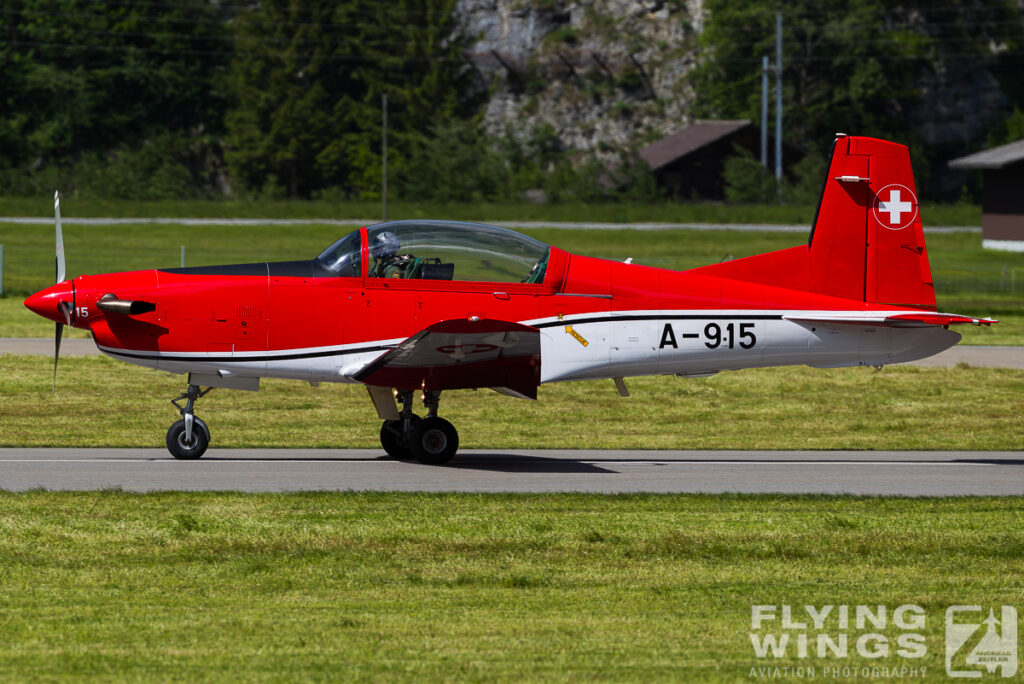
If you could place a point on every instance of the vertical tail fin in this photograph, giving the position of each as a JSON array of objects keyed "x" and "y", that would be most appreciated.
[{"x": 867, "y": 243}]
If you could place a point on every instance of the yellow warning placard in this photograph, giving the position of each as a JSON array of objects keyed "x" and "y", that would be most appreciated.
[{"x": 579, "y": 338}]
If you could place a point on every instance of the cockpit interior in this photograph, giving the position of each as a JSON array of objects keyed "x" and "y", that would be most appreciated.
[{"x": 440, "y": 250}]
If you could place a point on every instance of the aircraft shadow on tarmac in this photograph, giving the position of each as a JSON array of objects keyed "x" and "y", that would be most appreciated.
[
  {"x": 990, "y": 461},
  {"x": 518, "y": 463},
  {"x": 512, "y": 463},
  {"x": 521, "y": 463}
]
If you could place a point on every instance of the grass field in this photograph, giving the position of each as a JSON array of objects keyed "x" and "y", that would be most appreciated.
[
  {"x": 414, "y": 587},
  {"x": 28, "y": 249},
  {"x": 102, "y": 402},
  {"x": 674, "y": 212}
]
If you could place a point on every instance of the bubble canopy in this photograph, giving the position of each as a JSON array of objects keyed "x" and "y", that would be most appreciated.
[
  {"x": 442, "y": 250},
  {"x": 343, "y": 257}
]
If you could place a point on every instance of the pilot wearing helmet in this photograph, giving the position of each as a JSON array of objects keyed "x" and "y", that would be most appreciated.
[{"x": 387, "y": 262}]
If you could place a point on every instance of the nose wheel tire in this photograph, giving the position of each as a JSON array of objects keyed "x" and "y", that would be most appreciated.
[
  {"x": 188, "y": 450},
  {"x": 395, "y": 440},
  {"x": 433, "y": 441}
]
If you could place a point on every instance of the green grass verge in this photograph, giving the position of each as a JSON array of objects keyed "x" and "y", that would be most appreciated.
[
  {"x": 957, "y": 259},
  {"x": 102, "y": 402},
  {"x": 674, "y": 212},
  {"x": 450, "y": 587}
]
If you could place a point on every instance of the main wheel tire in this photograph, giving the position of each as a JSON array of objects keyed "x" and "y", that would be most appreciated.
[
  {"x": 394, "y": 440},
  {"x": 181, "y": 449},
  {"x": 434, "y": 441}
]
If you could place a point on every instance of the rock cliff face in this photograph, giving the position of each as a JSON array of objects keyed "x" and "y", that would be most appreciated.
[{"x": 603, "y": 75}]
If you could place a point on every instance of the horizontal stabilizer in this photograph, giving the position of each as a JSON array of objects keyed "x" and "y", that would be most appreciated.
[
  {"x": 911, "y": 319},
  {"x": 462, "y": 354},
  {"x": 914, "y": 319}
]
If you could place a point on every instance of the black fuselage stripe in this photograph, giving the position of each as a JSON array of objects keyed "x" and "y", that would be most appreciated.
[{"x": 281, "y": 357}]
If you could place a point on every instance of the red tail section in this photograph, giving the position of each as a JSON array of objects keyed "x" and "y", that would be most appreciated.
[{"x": 866, "y": 243}]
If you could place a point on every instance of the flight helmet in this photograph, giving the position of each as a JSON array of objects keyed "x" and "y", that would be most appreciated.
[{"x": 385, "y": 245}]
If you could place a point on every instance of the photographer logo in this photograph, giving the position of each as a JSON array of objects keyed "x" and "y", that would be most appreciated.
[{"x": 977, "y": 645}]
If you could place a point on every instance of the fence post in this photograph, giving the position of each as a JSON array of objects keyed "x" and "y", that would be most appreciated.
[
  {"x": 183, "y": 256},
  {"x": 1, "y": 270}
]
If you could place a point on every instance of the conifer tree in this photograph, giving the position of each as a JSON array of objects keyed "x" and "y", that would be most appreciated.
[{"x": 309, "y": 78}]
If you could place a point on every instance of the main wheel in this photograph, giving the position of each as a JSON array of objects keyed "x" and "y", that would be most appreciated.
[
  {"x": 433, "y": 441},
  {"x": 394, "y": 440},
  {"x": 177, "y": 445}
]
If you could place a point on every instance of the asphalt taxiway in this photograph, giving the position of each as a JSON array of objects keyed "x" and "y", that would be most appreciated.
[{"x": 910, "y": 473}]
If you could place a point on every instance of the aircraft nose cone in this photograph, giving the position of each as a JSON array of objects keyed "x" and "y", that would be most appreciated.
[{"x": 46, "y": 302}]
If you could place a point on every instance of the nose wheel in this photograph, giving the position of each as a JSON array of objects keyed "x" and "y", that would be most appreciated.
[
  {"x": 188, "y": 438},
  {"x": 188, "y": 448},
  {"x": 431, "y": 440}
]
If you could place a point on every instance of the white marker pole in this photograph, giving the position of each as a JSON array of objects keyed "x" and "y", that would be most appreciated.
[
  {"x": 384, "y": 154},
  {"x": 778, "y": 102},
  {"x": 764, "y": 111}
]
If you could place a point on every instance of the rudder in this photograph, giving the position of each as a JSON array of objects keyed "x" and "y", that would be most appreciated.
[{"x": 867, "y": 242}]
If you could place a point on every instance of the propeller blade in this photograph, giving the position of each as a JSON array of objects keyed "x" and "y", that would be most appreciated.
[
  {"x": 58, "y": 334},
  {"x": 65, "y": 307},
  {"x": 60, "y": 237},
  {"x": 56, "y": 352}
]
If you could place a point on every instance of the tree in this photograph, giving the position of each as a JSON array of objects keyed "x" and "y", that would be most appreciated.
[
  {"x": 863, "y": 67},
  {"x": 309, "y": 76},
  {"x": 83, "y": 76},
  {"x": 457, "y": 163},
  {"x": 844, "y": 68}
]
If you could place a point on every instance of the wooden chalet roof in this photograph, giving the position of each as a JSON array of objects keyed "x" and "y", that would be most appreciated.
[
  {"x": 996, "y": 158},
  {"x": 688, "y": 140}
]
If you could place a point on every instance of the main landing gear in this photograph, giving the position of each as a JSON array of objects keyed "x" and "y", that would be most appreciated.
[
  {"x": 432, "y": 440},
  {"x": 188, "y": 437}
]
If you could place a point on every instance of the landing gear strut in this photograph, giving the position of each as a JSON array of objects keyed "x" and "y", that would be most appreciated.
[
  {"x": 432, "y": 440},
  {"x": 394, "y": 434},
  {"x": 188, "y": 437}
]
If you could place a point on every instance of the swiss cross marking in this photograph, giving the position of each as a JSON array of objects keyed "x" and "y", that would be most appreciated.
[{"x": 895, "y": 207}]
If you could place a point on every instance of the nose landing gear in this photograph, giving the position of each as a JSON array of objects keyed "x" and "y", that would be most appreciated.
[
  {"x": 431, "y": 440},
  {"x": 188, "y": 438}
]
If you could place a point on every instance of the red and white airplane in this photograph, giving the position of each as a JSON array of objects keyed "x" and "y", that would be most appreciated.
[{"x": 411, "y": 307}]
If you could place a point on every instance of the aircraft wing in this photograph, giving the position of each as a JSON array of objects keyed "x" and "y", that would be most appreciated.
[
  {"x": 462, "y": 354},
  {"x": 911, "y": 319}
]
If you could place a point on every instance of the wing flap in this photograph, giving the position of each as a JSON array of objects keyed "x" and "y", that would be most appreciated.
[{"x": 461, "y": 354}]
